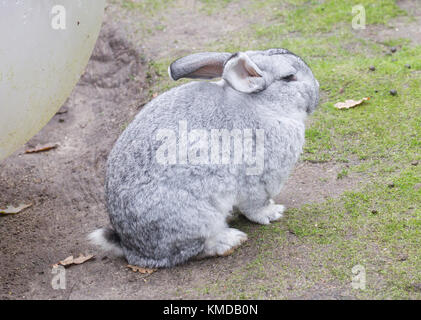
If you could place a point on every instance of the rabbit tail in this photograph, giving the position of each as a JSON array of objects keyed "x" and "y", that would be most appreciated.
[{"x": 107, "y": 239}]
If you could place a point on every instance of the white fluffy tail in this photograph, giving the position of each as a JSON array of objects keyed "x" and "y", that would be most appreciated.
[{"x": 107, "y": 239}]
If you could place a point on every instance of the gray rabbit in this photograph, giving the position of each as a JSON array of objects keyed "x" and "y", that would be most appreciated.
[{"x": 199, "y": 151}]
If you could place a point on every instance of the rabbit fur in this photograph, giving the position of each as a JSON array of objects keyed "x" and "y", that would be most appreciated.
[{"x": 169, "y": 206}]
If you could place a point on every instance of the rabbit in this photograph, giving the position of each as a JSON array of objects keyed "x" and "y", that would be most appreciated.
[{"x": 168, "y": 197}]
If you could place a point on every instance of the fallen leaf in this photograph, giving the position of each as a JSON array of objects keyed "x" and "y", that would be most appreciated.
[
  {"x": 70, "y": 260},
  {"x": 14, "y": 210},
  {"x": 155, "y": 95},
  {"x": 67, "y": 261},
  {"x": 42, "y": 148},
  {"x": 82, "y": 258},
  {"x": 141, "y": 270},
  {"x": 349, "y": 103}
]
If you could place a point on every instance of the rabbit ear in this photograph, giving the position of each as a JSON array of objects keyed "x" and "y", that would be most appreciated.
[
  {"x": 243, "y": 74},
  {"x": 205, "y": 65}
]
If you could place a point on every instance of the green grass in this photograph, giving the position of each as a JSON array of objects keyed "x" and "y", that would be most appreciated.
[
  {"x": 376, "y": 225},
  {"x": 386, "y": 127},
  {"x": 324, "y": 16},
  {"x": 363, "y": 227},
  {"x": 145, "y": 6},
  {"x": 211, "y": 6}
]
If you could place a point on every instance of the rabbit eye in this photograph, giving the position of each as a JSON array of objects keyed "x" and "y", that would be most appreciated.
[{"x": 290, "y": 77}]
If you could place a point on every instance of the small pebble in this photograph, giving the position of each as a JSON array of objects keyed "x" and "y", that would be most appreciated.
[
  {"x": 414, "y": 163},
  {"x": 408, "y": 66},
  {"x": 393, "y": 49},
  {"x": 393, "y": 92},
  {"x": 61, "y": 120},
  {"x": 416, "y": 287},
  {"x": 372, "y": 68}
]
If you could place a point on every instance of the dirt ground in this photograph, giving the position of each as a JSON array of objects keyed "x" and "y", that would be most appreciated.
[{"x": 65, "y": 185}]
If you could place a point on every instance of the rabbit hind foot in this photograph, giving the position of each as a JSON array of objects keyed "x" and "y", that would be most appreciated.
[{"x": 223, "y": 243}]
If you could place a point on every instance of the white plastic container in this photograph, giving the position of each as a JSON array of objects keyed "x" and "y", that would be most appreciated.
[{"x": 45, "y": 46}]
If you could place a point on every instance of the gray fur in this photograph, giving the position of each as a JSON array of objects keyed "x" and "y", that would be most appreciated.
[{"x": 166, "y": 214}]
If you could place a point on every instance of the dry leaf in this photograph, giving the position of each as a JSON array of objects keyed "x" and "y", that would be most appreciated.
[
  {"x": 141, "y": 270},
  {"x": 42, "y": 148},
  {"x": 82, "y": 258},
  {"x": 349, "y": 103},
  {"x": 155, "y": 95},
  {"x": 14, "y": 210},
  {"x": 70, "y": 260},
  {"x": 67, "y": 261}
]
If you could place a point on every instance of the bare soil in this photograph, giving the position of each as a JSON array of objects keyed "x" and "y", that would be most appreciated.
[{"x": 406, "y": 27}]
